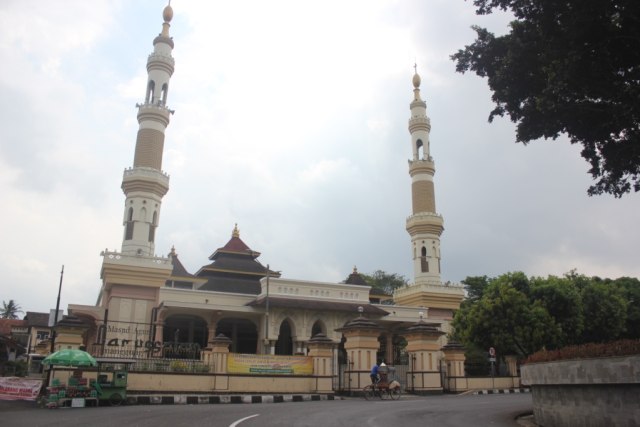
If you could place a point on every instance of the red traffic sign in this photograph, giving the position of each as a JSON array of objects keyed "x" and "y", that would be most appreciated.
[{"x": 492, "y": 352}]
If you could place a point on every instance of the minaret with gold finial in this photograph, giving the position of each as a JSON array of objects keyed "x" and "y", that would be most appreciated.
[
  {"x": 145, "y": 183},
  {"x": 424, "y": 225}
]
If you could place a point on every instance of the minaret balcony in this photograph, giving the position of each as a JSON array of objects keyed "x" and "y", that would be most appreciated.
[
  {"x": 158, "y": 61},
  {"x": 145, "y": 179},
  {"x": 425, "y": 223},
  {"x": 115, "y": 257},
  {"x": 419, "y": 123},
  {"x": 155, "y": 112},
  {"x": 422, "y": 166}
]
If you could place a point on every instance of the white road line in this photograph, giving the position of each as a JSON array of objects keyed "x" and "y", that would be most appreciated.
[{"x": 242, "y": 419}]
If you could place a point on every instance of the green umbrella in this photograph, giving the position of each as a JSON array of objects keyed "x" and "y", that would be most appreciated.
[{"x": 70, "y": 357}]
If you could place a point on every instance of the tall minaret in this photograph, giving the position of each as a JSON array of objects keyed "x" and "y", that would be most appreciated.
[
  {"x": 425, "y": 225},
  {"x": 145, "y": 183}
]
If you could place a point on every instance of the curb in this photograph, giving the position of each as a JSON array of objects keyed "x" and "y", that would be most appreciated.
[
  {"x": 503, "y": 391},
  {"x": 183, "y": 399}
]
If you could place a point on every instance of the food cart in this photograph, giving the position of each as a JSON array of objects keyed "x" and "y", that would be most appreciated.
[
  {"x": 76, "y": 391},
  {"x": 111, "y": 381},
  {"x": 106, "y": 381}
]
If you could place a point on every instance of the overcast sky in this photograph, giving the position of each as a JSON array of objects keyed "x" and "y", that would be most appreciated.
[{"x": 290, "y": 120}]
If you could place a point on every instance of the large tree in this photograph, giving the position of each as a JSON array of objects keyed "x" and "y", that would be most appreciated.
[
  {"x": 521, "y": 315},
  {"x": 561, "y": 297},
  {"x": 10, "y": 310},
  {"x": 505, "y": 318},
  {"x": 568, "y": 67},
  {"x": 605, "y": 311}
]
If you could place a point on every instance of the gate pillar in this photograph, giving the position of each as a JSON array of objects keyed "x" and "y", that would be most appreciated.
[
  {"x": 321, "y": 350},
  {"x": 423, "y": 348},
  {"x": 216, "y": 354},
  {"x": 361, "y": 345},
  {"x": 454, "y": 361}
]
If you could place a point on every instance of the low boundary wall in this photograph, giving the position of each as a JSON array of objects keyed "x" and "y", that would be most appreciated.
[{"x": 585, "y": 392}]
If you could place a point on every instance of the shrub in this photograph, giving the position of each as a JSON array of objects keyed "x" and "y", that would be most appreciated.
[{"x": 586, "y": 351}]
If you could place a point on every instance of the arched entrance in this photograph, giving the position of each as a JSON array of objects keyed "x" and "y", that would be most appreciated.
[
  {"x": 284, "y": 345},
  {"x": 243, "y": 334},
  {"x": 183, "y": 336}
]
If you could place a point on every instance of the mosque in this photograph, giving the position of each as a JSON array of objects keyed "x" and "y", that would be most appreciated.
[{"x": 153, "y": 307}]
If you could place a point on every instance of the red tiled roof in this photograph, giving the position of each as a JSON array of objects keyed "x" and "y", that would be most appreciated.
[
  {"x": 7, "y": 324},
  {"x": 237, "y": 246}
]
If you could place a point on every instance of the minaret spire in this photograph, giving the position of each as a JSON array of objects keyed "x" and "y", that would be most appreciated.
[
  {"x": 145, "y": 183},
  {"x": 425, "y": 225}
]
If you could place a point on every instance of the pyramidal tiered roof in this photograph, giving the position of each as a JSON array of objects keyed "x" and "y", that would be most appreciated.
[{"x": 234, "y": 268}]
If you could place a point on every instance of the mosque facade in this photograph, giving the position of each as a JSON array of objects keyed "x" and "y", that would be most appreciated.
[{"x": 153, "y": 307}]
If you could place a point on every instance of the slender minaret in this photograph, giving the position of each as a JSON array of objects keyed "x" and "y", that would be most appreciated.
[
  {"x": 424, "y": 225},
  {"x": 145, "y": 183}
]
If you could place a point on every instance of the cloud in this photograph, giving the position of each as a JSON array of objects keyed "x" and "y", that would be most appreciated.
[{"x": 291, "y": 120}]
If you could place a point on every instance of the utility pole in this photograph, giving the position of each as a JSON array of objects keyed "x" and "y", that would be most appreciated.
[
  {"x": 55, "y": 320},
  {"x": 266, "y": 335},
  {"x": 53, "y": 334}
]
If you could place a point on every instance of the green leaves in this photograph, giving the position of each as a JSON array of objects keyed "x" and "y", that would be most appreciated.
[
  {"x": 568, "y": 68},
  {"x": 520, "y": 315},
  {"x": 10, "y": 310}
]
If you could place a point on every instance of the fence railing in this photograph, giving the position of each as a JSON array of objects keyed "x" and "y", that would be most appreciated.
[{"x": 171, "y": 365}]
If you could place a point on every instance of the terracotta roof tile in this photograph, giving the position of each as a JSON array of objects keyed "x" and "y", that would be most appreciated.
[{"x": 7, "y": 324}]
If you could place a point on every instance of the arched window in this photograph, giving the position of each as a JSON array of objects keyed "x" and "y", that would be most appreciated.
[
  {"x": 163, "y": 94},
  {"x": 424, "y": 264},
  {"x": 151, "y": 87},
  {"x": 152, "y": 227},
  {"x": 128, "y": 231},
  {"x": 419, "y": 149},
  {"x": 318, "y": 328}
]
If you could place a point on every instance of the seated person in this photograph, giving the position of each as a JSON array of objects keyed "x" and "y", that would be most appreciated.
[{"x": 374, "y": 374}]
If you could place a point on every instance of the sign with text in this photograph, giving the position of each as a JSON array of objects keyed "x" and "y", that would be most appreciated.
[
  {"x": 268, "y": 364},
  {"x": 135, "y": 340},
  {"x": 14, "y": 388}
]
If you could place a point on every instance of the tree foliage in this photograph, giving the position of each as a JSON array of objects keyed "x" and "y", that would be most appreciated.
[
  {"x": 570, "y": 67},
  {"x": 520, "y": 315},
  {"x": 10, "y": 310},
  {"x": 387, "y": 282}
]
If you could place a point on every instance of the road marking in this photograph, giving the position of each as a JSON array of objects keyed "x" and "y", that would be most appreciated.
[{"x": 242, "y": 419}]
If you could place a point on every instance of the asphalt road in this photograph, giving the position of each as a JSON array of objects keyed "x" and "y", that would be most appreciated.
[{"x": 410, "y": 411}]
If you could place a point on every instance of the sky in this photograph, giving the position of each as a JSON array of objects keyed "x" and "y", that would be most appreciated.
[{"x": 291, "y": 121}]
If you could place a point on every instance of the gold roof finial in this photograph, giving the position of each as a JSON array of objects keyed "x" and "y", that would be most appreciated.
[
  {"x": 236, "y": 232},
  {"x": 167, "y": 15},
  {"x": 416, "y": 77},
  {"x": 355, "y": 270}
]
